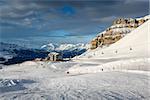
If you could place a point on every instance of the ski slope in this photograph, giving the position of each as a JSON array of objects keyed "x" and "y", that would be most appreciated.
[
  {"x": 134, "y": 44},
  {"x": 129, "y": 53},
  {"x": 43, "y": 81}
]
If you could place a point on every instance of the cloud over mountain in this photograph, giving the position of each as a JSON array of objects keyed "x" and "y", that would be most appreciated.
[{"x": 25, "y": 19}]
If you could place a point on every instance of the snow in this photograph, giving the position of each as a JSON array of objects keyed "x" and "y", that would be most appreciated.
[
  {"x": 28, "y": 63},
  {"x": 71, "y": 46},
  {"x": 129, "y": 53},
  {"x": 145, "y": 17},
  {"x": 121, "y": 75},
  {"x": 8, "y": 83},
  {"x": 123, "y": 30},
  {"x": 49, "y": 46},
  {"x": 45, "y": 82},
  {"x": 140, "y": 64},
  {"x": 48, "y": 80},
  {"x": 63, "y": 47},
  {"x": 134, "y": 44},
  {"x": 54, "y": 53}
]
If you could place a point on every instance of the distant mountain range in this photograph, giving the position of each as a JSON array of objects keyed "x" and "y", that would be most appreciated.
[
  {"x": 68, "y": 50},
  {"x": 12, "y": 53}
]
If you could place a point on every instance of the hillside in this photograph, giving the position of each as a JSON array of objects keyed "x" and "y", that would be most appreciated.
[
  {"x": 129, "y": 53},
  {"x": 120, "y": 28},
  {"x": 134, "y": 44}
]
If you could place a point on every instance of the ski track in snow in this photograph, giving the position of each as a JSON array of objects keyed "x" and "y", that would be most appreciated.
[{"x": 53, "y": 84}]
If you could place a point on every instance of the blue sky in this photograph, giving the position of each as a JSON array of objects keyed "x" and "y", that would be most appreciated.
[{"x": 36, "y": 22}]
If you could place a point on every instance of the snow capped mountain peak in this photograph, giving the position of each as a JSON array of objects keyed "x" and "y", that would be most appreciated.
[
  {"x": 49, "y": 46},
  {"x": 147, "y": 17},
  {"x": 68, "y": 50},
  {"x": 63, "y": 47}
]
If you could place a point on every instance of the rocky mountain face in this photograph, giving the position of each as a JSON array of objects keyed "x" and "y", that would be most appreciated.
[{"x": 120, "y": 27}]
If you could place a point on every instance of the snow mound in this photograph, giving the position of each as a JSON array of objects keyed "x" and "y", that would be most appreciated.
[
  {"x": 29, "y": 63},
  {"x": 62, "y": 65},
  {"x": 8, "y": 83},
  {"x": 53, "y": 66},
  {"x": 141, "y": 64}
]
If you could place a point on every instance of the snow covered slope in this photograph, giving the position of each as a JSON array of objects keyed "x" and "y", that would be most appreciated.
[
  {"x": 42, "y": 81},
  {"x": 129, "y": 53},
  {"x": 134, "y": 44}
]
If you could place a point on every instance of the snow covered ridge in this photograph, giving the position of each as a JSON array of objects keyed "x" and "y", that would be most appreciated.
[
  {"x": 147, "y": 17},
  {"x": 129, "y": 53},
  {"x": 134, "y": 44},
  {"x": 63, "y": 47}
]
